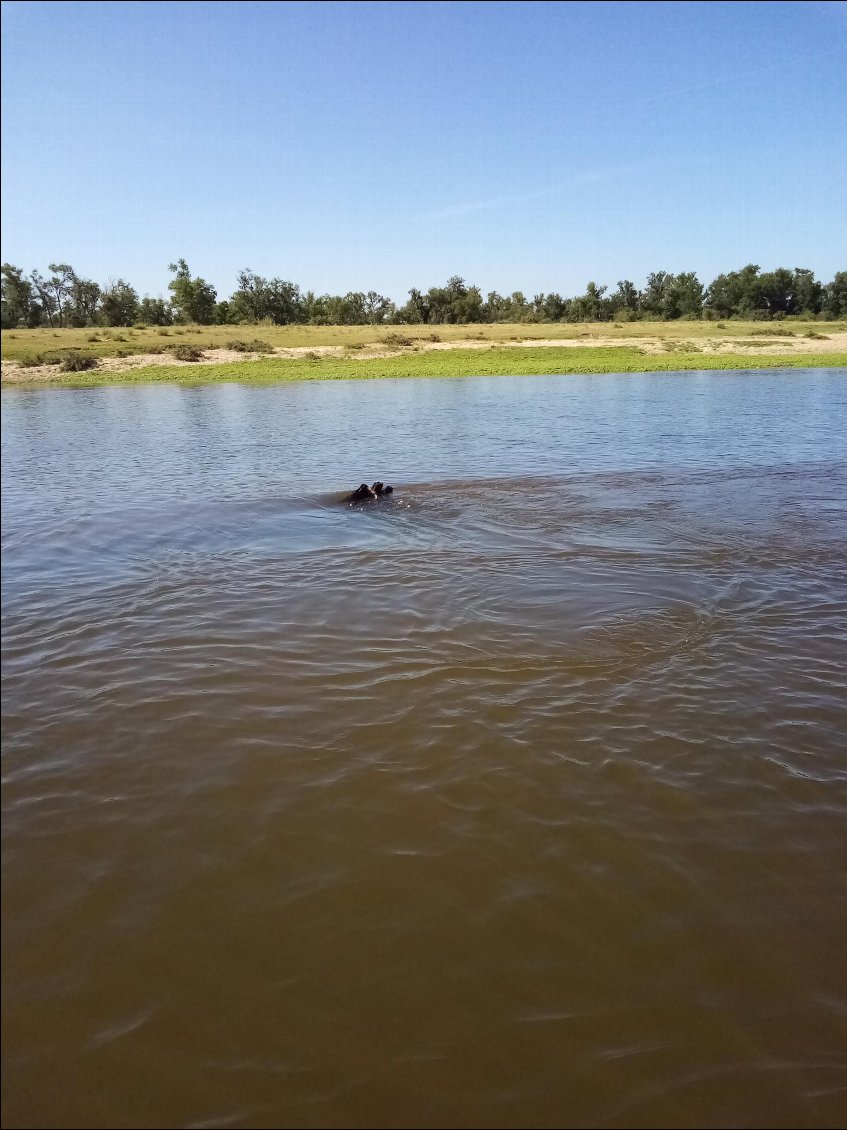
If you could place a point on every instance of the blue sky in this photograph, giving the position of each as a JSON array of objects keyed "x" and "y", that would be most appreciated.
[{"x": 350, "y": 146}]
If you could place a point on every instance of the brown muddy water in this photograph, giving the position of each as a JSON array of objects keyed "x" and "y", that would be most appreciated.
[{"x": 518, "y": 801}]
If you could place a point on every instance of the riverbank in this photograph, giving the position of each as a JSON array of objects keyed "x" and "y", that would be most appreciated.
[
  {"x": 34, "y": 356},
  {"x": 518, "y": 360}
]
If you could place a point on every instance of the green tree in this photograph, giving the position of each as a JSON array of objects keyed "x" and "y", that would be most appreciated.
[
  {"x": 284, "y": 303},
  {"x": 60, "y": 286},
  {"x": 518, "y": 308},
  {"x": 454, "y": 304},
  {"x": 249, "y": 300},
  {"x": 378, "y": 309},
  {"x": 496, "y": 308},
  {"x": 808, "y": 292},
  {"x": 224, "y": 314},
  {"x": 834, "y": 303},
  {"x": 47, "y": 303},
  {"x": 119, "y": 304},
  {"x": 736, "y": 293},
  {"x": 625, "y": 299},
  {"x": 552, "y": 307},
  {"x": 683, "y": 296},
  {"x": 335, "y": 309},
  {"x": 416, "y": 310},
  {"x": 654, "y": 296},
  {"x": 155, "y": 312},
  {"x": 84, "y": 306},
  {"x": 193, "y": 299},
  {"x": 775, "y": 293},
  {"x": 591, "y": 306},
  {"x": 257, "y": 298},
  {"x": 17, "y": 306}
]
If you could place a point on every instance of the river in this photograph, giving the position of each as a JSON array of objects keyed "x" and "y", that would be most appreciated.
[{"x": 516, "y": 800}]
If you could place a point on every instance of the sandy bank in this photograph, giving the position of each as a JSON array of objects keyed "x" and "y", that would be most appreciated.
[{"x": 836, "y": 342}]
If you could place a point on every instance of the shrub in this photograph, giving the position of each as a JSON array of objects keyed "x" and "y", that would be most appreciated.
[
  {"x": 396, "y": 341},
  {"x": 163, "y": 333},
  {"x": 72, "y": 361},
  {"x": 354, "y": 345},
  {"x": 816, "y": 336},
  {"x": 185, "y": 352},
  {"x": 92, "y": 337},
  {"x": 254, "y": 346},
  {"x": 140, "y": 326},
  {"x": 33, "y": 360},
  {"x": 123, "y": 353},
  {"x": 774, "y": 331}
]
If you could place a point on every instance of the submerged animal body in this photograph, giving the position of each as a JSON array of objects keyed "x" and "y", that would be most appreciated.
[{"x": 364, "y": 492}]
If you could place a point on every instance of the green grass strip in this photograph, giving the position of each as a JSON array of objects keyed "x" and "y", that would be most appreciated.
[{"x": 545, "y": 360}]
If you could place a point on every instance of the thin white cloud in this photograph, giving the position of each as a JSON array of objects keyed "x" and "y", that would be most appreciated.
[
  {"x": 740, "y": 76},
  {"x": 578, "y": 180},
  {"x": 469, "y": 207}
]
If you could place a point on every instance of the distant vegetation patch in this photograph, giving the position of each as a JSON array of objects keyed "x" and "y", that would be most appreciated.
[
  {"x": 72, "y": 361},
  {"x": 254, "y": 346},
  {"x": 681, "y": 347},
  {"x": 185, "y": 352}
]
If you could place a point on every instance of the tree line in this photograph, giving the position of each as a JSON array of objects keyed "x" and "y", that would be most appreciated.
[{"x": 64, "y": 298}]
